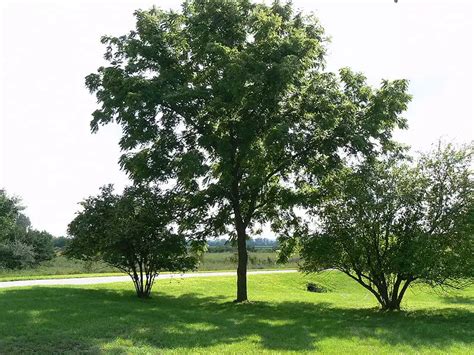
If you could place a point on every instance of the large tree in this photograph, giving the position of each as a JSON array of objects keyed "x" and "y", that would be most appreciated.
[
  {"x": 133, "y": 232},
  {"x": 388, "y": 224},
  {"x": 228, "y": 101}
]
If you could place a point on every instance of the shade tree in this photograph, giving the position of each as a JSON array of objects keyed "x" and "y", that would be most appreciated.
[{"x": 229, "y": 101}]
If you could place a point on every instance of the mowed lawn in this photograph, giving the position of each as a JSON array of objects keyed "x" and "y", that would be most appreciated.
[
  {"x": 197, "y": 315},
  {"x": 62, "y": 267}
]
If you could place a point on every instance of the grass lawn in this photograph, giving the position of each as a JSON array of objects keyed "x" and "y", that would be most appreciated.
[
  {"x": 21, "y": 277},
  {"x": 197, "y": 316},
  {"x": 62, "y": 267}
]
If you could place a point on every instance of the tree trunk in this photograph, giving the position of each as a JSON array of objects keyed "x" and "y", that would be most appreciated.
[
  {"x": 391, "y": 304},
  {"x": 389, "y": 301},
  {"x": 240, "y": 228},
  {"x": 242, "y": 263},
  {"x": 142, "y": 286}
]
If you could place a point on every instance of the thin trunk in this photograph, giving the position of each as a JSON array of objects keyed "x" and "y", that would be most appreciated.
[
  {"x": 242, "y": 264},
  {"x": 141, "y": 276},
  {"x": 149, "y": 284},
  {"x": 240, "y": 228},
  {"x": 361, "y": 282},
  {"x": 140, "y": 280},
  {"x": 393, "y": 303},
  {"x": 389, "y": 300},
  {"x": 403, "y": 290}
]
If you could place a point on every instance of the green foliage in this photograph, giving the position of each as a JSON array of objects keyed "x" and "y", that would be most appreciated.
[
  {"x": 9, "y": 211},
  {"x": 60, "y": 242},
  {"x": 41, "y": 243},
  {"x": 388, "y": 224},
  {"x": 132, "y": 232},
  {"x": 20, "y": 245},
  {"x": 16, "y": 255},
  {"x": 229, "y": 100}
]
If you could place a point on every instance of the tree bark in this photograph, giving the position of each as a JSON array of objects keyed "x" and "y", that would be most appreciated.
[
  {"x": 242, "y": 263},
  {"x": 240, "y": 228},
  {"x": 392, "y": 304},
  {"x": 389, "y": 300},
  {"x": 143, "y": 282}
]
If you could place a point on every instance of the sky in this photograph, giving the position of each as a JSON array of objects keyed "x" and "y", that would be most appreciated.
[{"x": 49, "y": 158}]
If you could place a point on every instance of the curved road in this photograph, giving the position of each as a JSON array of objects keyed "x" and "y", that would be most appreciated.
[{"x": 110, "y": 279}]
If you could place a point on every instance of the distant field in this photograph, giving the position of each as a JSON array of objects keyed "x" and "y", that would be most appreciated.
[
  {"x": 210, "y": 261},
  {"x": 197, "y": 316},
  {"x": 257, "y": 260}
]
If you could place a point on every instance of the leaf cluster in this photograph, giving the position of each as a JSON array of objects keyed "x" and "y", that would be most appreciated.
[
  {"x": 388, "y": 220},
  {"x": 133, "y": 231}
]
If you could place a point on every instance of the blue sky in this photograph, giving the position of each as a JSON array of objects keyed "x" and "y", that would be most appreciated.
[{"x": 49, "y": 158}]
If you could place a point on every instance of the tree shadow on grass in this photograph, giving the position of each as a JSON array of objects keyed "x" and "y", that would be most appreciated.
[
  {"x": 458, "y": 300},
  {"x": 58, "y": 319}
]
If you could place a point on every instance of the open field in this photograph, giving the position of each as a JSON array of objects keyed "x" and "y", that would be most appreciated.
[
  {"x": 196, "y": 315},
  {"x": 61, "y": 267}
]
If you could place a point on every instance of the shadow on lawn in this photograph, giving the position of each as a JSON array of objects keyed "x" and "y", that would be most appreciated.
[
  {"x": 51, "y": 319},
  {"x": 459, "y": 300}
]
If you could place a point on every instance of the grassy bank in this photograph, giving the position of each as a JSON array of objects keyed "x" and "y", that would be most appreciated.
[
  {"x": 197, "y": 316},
  {"x": 63, "y": 267}
]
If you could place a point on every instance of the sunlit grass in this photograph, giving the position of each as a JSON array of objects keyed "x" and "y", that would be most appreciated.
[
  {"x": 197, "y": 315},
  {"x": 61, "y": 267}
]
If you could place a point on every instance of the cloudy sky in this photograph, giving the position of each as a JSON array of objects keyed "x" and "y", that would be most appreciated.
[{"x": 50, "y": 159}]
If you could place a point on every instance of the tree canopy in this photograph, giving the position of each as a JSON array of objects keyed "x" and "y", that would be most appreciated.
[
  {"x": 388, "y": 224},
  {"x": 229, "y": 101},
  {"x": 133, "y": 232}
]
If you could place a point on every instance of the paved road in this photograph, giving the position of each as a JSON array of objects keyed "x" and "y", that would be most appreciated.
[{"x": 109, "y": 279}]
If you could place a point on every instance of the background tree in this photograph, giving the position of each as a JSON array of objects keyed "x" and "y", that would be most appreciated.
[
  {"x": 16, "y": 255},
  {"x": 132, "y": 232},
  {"x": 228, "y": 100},
  {"x": 387, "y": 224},
  {"x": 9, "y": 210},
  {"x": 59, "y": 243},
  {"x": 42, "y": 244},
  {"x": 20, "y": 245}
]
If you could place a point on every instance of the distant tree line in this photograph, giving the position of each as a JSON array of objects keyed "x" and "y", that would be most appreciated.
[
  {"x": 59, "y": 243},
  {"x": 253, "y": 244}
]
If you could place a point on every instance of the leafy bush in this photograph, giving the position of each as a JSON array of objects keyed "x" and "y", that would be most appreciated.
[
  {"x": 132, "y": 232},
  {"x": 388, "y": 224}
]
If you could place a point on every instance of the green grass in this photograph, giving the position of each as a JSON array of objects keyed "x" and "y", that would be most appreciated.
[
  {"x": 61, "y": 267},
  {"x": 13, "y": 277},
  {"x": 105, "y": 274},
  {"x": 58, "y": 267},
  {"x": 257, "y": 260},
  {"x": 197, "y": 316}
]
